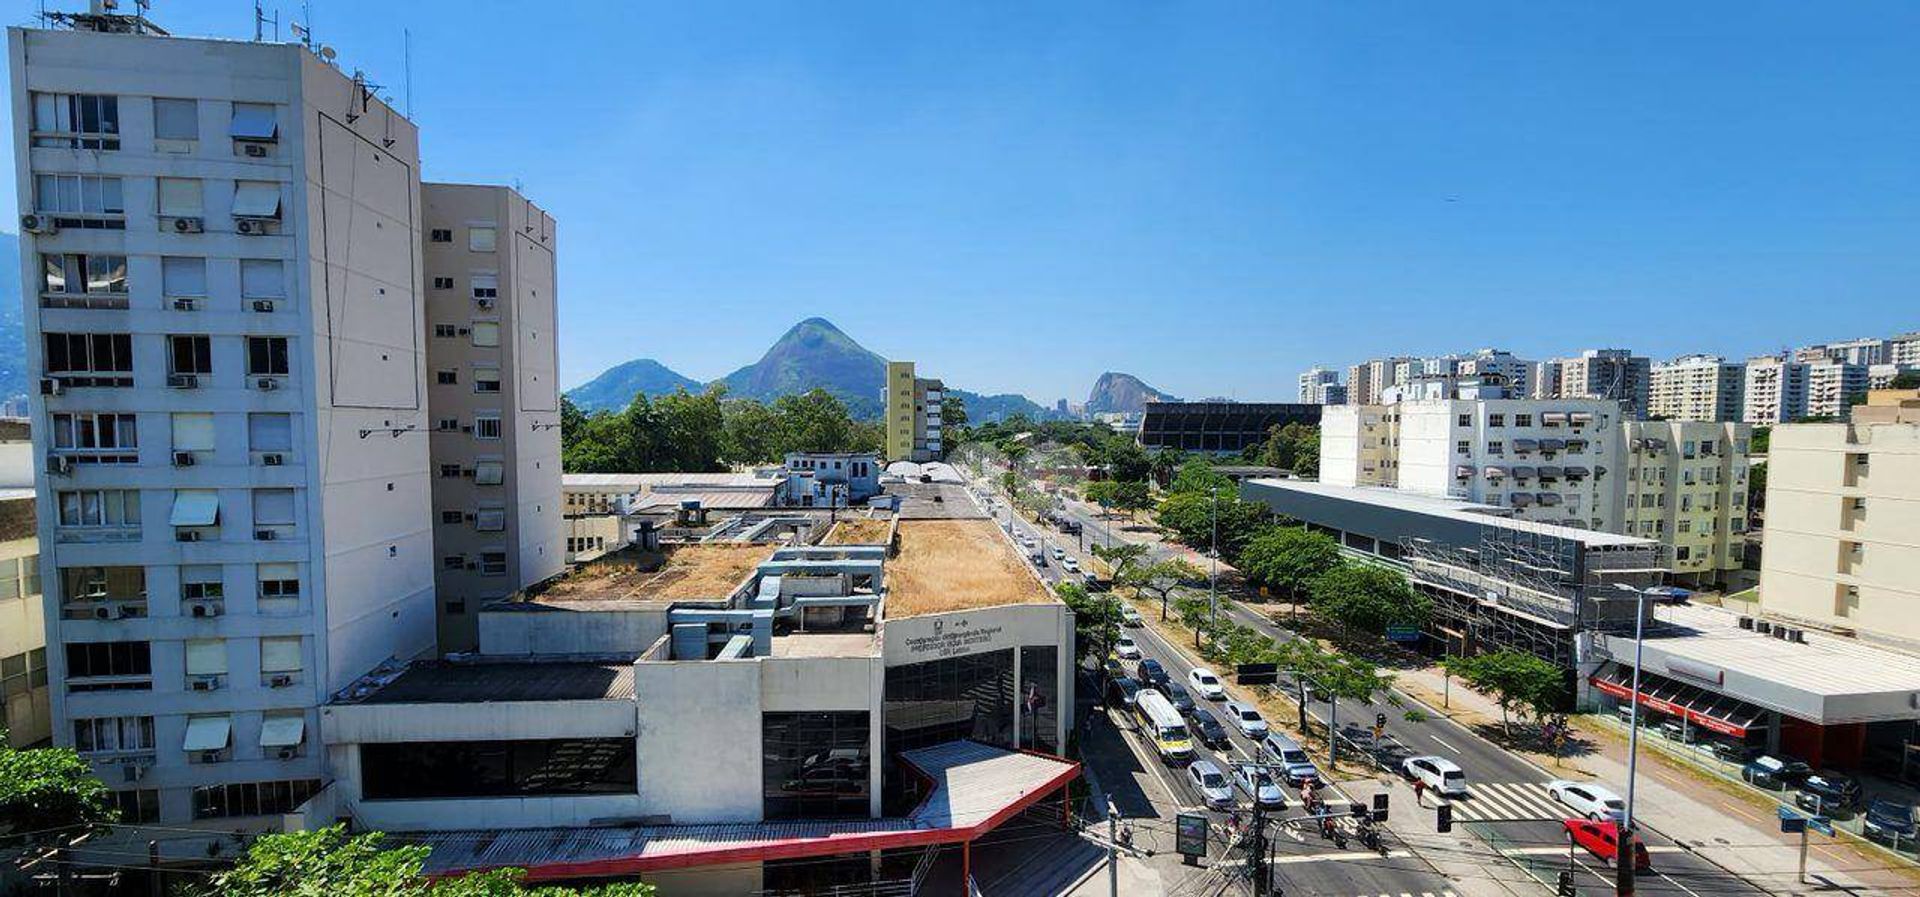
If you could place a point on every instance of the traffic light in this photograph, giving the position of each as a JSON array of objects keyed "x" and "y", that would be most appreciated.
[
  {"x": 1446, "y": 818},
  {"x": 1379, "y": 720},
  {"x": 1565, "y": 886},
  {"x": 1380, "y": 807}
]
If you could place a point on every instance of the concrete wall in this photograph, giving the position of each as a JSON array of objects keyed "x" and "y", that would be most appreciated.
[
  {"x": 571, "y": 632},
  {"x": 700, "y": 740}
]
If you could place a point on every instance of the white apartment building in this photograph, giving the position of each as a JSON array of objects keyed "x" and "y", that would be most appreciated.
[
  {"x": 1684, "y": 483},
  {"x": 1882, "y": 376},
  {"x": 1697, "y": 387},
  {"x": 1320, "y": 386},
  {"x": 1615, "y": 374},
  {"x": 1515, "y": 374},
  {"x": 1904, "y": 349},
  {"x": 1830, "y": 386},
  {"x": 223, "y": 279},
  {"x": 1368, "y": 380},
  {"x": 1550, "y": 461},
  {"x": 1359, "y": 445},
  {"x": 499, "y": 521},
  {"x": 1863, "y": 351},
  {"x": 1775, "y": 391}
]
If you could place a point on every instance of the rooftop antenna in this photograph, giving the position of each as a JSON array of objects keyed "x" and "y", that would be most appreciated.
[
  {"x": 260, "y": 19},
  {"x": 406, "y": 38}
]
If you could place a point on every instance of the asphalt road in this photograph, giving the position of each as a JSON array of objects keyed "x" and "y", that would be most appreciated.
[{"x": 1508, "y": 806}]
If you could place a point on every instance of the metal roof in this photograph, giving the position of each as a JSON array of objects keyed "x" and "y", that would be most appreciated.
[
  {"x": 975, "y": 787},
  {"x": 1420, "y": 503},
  {"x": 439, "y": 682},
  {"x": 649, "y": 481}
]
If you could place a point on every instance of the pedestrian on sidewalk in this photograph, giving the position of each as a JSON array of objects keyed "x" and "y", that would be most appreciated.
[{"x": 1419, "y": 792}]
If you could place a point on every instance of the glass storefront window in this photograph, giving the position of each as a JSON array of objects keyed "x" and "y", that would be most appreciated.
[{"x": 816, "y": 765}]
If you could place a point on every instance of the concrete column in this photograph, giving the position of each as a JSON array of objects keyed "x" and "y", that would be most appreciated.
[{"x": 1773, "y": 732}]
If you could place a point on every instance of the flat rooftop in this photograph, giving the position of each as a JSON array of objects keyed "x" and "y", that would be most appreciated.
[
  {"x": 1456, "y": 509},
  {"x": 648, "y": 481},
  {"x": 859, "y": 531},
  {"x": 442, "y": 682},
  {"x": 948, "y": 565},
  {"x": 677, "y": 573}
]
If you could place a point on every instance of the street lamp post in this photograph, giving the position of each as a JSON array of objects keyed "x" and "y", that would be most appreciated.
[
  {"x": 1213, "y": 571},
  {"x": 1624, "y": 876}
]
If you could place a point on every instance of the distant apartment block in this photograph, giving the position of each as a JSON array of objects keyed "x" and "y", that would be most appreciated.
[
  {"x": 1320, "y": 386},
  {"x": 1614, "y": 374},
  {"x": 226, "y": 322},
  {"x": 1832, "y": 386},
  {"x": 1367, "y": 380},
  {"x": 1684, "y": 483},
  {"x": 1865, "y": 351},
  {"x": 913, "y": 414},
  {"x": 1775, "y": 391},
  {"x": 1904, "y": 349},
  {"x": 1496, "y": 366},
  {"x": 1551, "y": 461},
  {"x": 498, "y": 519},
  {"x": 1359, "y": 445},
  {"x": 1697, "y": 387}
]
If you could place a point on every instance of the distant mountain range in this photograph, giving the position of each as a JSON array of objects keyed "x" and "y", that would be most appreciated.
[
  {"x": 813, "y": 354},
  {"x": 1124, "y": 393}
]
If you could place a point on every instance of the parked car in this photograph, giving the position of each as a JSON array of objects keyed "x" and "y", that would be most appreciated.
[
  {"x": 1113, "y": 668},
  {"x": 1152, "y": 673},
  {"x": 1208, "y": 729},
  {"x": 1588, "y": 800},
  {"x": 1440, "y": 775},
  {"x": 1676, "y": 729},
  {"x": 1125, "y": 689},
  {"x": 1602, "y": 839},
  {"x": 1182, "y": 700},
  {"x": 1206, "y": 684},
  {"x": 1889, "y": 820},
  {"x": 1249, "y": 720},
  {"x": 1215, "y": 790},
  {"x": 1731, "y": 751},
  {"x": 1829, "y": 794},
  {"x": 1290, "y": 758},
  {"x": 1126, "y": 649},
  {"x": 1778, "y": 773},
  {"x": 1130, "y": 618},
  {"x": 1070, "y": 565},
  {"x": 1259, "y": 785}
]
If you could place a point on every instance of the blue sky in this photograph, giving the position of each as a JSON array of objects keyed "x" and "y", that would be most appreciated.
[{"x": 1211, "y": 196}]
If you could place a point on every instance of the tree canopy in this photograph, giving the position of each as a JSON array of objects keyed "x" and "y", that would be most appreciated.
[
  {"x": 49, "y": 794},
  {"x": 1514, "y": 680},
  {"x": 1366, "y": 598},
  {"x": 1096, "y": 619},
  {"x": 1288, "y": 558},
  {"x": 1293, "y": 447},
  {"x": 707, "y": 431},
  {"x": 330, "y": 863}
]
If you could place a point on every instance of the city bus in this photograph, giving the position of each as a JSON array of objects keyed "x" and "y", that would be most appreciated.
[{"x": 1162, "y": 725}]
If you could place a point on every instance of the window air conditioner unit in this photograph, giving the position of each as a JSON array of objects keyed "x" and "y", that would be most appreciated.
[
  {"x": 209, "y": 756},
  {"x": 183, "y": 381},
  {"x": 204, "y": 683},
  {"x": 103, "y": 613},
  {"x": 483, "y": 302},
  {"x": 184, "y": 303},
  {"x": 186, "y": 535},
  {"x": 38, "y": 224},
  {"x": 273, "y": 459},
  {"x": 250, "y": 227},
  {"x": 254, "y": 150},
  {"x": 183, "y": 459},
  {"x": 280, "y": 681},
  {"x": 59, "y": 465},
  {"x": 287, "y": 753},
  {"x": 52, "y": 386},
  {"x": 205, "y": 609},
  {"x": 124, "y": 611},
  {"x": 265, "y": 535},
  {"x": 267, "y": 383},
  {"x": 188, "y": 225},
  {"x": 265, "y": 305}
]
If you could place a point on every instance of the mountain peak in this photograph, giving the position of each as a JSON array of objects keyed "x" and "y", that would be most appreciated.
[{"x": 1122, "y": 392}]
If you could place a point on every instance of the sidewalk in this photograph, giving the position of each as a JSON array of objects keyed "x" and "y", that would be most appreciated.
[{"x": 1720, "y": 820}]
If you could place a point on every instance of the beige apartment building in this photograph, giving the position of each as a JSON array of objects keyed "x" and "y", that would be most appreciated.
[
  {"x": 1360, "y": 445},
  {"x": 26, "y": 711},
  {"x": 1697, "y": 387},
  {"x": 1843, "y": 521},
  {"x": 1685, "y": 484},
  {"x": 913, "y": 414},
  {"x": 493, "y": 397}
]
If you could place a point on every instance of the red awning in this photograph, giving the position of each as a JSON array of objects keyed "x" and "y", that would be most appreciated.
[{"x": 1708, "y": 710}]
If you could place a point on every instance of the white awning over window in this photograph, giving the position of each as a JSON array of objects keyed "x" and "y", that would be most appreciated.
[
  {"x": 254, "y": 121},
  {"x": 195, "y": 507},
  {"x": 256, "y": 199},
  {"x": 208, "y": 733},
  {"x": 282, "y": 731},
  {"x": 206, "y": 656},
  {"x": 280, "y": 654},
  {"x": 491, "y": 520}
]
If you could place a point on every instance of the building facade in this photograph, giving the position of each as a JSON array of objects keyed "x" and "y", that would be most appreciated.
[
  {"x": 1615, "y": 374},
  {"x": 1697, "y": 387},
  {"x": 1360, "y": 445},
  {"x": 1684, "y": 483},
  {"x": 1496, "y": 366},
  {"x": 1320, "y": 386},
  {"x": 913, "y": 406},
  {"x": 1775, "y": 391},
  {"x": 1219, "y": 427},
  {"x": 231, "y": 408},
  {"x": 1550, "y": 461},
  {"x": 26, "y": 712},
  {"x": 1832, "y": 386}
]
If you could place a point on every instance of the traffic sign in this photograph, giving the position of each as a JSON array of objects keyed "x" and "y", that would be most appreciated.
[
  {"x": 1257, "y": 673},
  {"x": 1821, "y": 824},
  {"x": 1403, "y": 633}
]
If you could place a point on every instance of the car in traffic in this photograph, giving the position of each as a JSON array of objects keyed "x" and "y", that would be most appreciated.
[
  {"x": 1207, "y": 685},
  {"x": 1125, "y": 689},
  {"x": 1181, "y": 698},
  {"x": 1290, "y": 758},
  {"x": 1778, "y": 773},
  {"x": 1829, "y": 794},
  {"x": 1589, "y": 800},
  {"x": 1259, "y": 785},
  {"x": 1247, "y": 719},
  {"x": 1213, "y": 786},
  {"x": 1889, "y": 821},
  {"x": 1070, "y": 565},
  {"x": 1058, "y": 553},
  {"x": 1113, "y": 668},
  {"x": 1602, "y": 839},
  {"x": 1130, "y": 618},
  {"x": 1126, "y": 648},
  {"x": 1440, "y": 775},
  {"x": 1151, "y": 672},
  {"x": 1095, "y": 584},
  {"x": 1208, "y": 729}
]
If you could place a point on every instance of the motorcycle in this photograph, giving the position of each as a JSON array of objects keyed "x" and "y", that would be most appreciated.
[{"x": 1370, "y": 839}]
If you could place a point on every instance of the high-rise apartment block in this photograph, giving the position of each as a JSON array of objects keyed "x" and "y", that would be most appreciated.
[
  {"x": 1685, "y": 484},
  {"x": 1832, "y": 386},
  {"x": 1360, "y": 445},
  {"x": 1320, "y": 386},
  {"x": 913, "y": 414},
  {"x": 1549, "y": 461},
  {"x": 499, "y": 524},
  {"x": 1697, "y": 387},
  {"x": 1904, "y": 349},
  {"x": 1775, "y": 391},
  {"x": 1496, "y": 366},
  {"x": 1368, "y": 380},
  {"x": 1614, "y": 374}
]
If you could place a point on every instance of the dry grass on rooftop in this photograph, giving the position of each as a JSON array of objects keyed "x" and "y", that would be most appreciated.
[
  {"x": 859, "y": 531},
  {"x": 684, "y": 572},
  {"x": 947, "y": 565}
]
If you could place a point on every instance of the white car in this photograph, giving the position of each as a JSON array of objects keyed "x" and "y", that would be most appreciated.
[
  {"x": 1440, "y": 775},
  {"x": 1588, "y": 800},
  {"x": 1251, "y": 723},
  {"x": 1205, "y": 684},
  {"x": 1126, "y": 648},
  {"x": 1059, "y": 553},
  {"x": 1130, "y": 617},
  {"x": 1070, "y": 565},
  {"x": 1215, "y": 789}
]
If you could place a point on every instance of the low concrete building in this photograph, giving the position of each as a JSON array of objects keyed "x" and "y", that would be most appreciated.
[{"x": 828, "y": 478}]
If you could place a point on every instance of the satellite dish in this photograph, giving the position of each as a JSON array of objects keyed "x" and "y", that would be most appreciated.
[{"x": 327, "y": 53}]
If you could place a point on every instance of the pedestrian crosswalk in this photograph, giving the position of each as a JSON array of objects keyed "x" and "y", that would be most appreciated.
[{"x": 1494, "y": 801}]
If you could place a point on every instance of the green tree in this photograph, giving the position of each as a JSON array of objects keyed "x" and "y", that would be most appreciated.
[
  {"x": 1291, "y": 446},
  {"x": 1288, "y": 558},
  {"x": 1125, "y": 460},
  {"x": 1096, "y": 619},
  {"x": 1756, "y": 492},
  {"x": 1104, "y": 493},
  {"x": 1905, "y": 380},
  {"x": 330, "y": 863},
  {"x": 1132, "y": 496},
  {"x": 1338, "y": 676},
  {"x": 1162, "y": 463},
  {"x": 692, "y": 429},
  {"x": 1366, "y": 598},
  {"x": 815, "y": 421},
  {"x": 1198, "y": 476},
  {"x": 1514, "y": 680},
  {"x": 1161, "y": 578},
  {"x": 49, "y": 795},
  {"x": 1762, "y": 440},
  {"x": 953, "y": 415},
  {"x": 1123, "y": 558},
  {"x": 750, "y": 433}
]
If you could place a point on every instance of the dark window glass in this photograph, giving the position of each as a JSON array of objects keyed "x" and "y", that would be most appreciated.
[
  {"x": 818, "y": 875},
  {"x": 192, "y": 354},
  {"x": 252, "y": 798},
  {"x": 1039, "y": 698},
  {"x": 815, "y": 765},
  {"x": 138, "y": 806},
  {"x": 435, "y": 769},
  {"x": 267, "y": 355},
  {"x": 109, "y": 659},
  {"x": 945, "y": 700}
]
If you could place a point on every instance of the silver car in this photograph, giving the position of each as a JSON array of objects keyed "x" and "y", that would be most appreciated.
[
  {"x": 1249, "y": 720},
  {"x": 1260, "y": 785},
  {"x": 1211, "y": 784}
]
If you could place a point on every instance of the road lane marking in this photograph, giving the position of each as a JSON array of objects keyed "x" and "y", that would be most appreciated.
[
  {"x": 1443, "y": 743},
  {"x": 1562, "y": 851},
  {"x": 1338, "y": 857}
]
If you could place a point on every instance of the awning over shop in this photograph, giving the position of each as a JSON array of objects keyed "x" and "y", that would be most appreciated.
[{"x": 1703, "y": 708}]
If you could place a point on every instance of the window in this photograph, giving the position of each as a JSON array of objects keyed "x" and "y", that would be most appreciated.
[
  {"x": 89, "y": 660},
  {"x": 93, "y": 437},
  {"x": 279, "y": 588},
  {"x": 262, "y": 279},
  {"x": 201, "y": 582},
  {"x": 189, "y": 355},
  {"x": 1496, "y": 447},
  {"x": 452, "y": 769},
  {"x": 447, "y": 424},
  {"x": 113, "y": 734},
  {"x": 481, "y": 239},
  {"x": 273, "y": 507},
  {"x": 815, "y": 765},
  {"x": 81, "y": 200},
  {"x": 253, "y": 121},
  {"x": 206, "y": 657},
  {"x": 182, "y": 276},
  {"x": 270, "y": 432},
  {"x": 490, "y": 520},
  {"x": 267, "y": 355},
  {"x": 489, "y": 473},
  {"x": 443, "y": 283},
  {"x": 486, "y": 333},
  {"x": 192, "y": 431},
  {"x": 256, "y": 199},
  {"x": 445, "y": 331},
  {"x": 100, "y": 507},
  {"x": 1496, "y": 420},
  {"x": 452, "y": 517},
  {"x": 486, "y": 380},
  {"x": 1523, "y": 420},
  {"x": 90, "y": 355},
  {"x": 176, "y": 119},
  {"x": 182, "y": 198},
  {"x": 280, "y": 654},
  {"x": 493, "y": 563},
  {"x": 76, "y": 280},
  {"x": 1466, "y": 420},
  {"x": 450, "y": 471},
  {"x": 76, "y": 121},
  {"x": 446, "y": 378},
  {"x": 103, "y": 583},
  {"x": 252, "y": 798},
  {"x": 456, "y": 606},
  {"x": 137, "y": 807},
  {"x": 453, "y": 562},
  {"x": 1463, "y": 447},
  {"x": 440, "y": 235},
  {"x": 486, "y": 427}
]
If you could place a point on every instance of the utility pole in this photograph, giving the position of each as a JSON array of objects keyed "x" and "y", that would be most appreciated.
[
  {"x": 1213, "y": 574},
  {"x": 1257, "y": 852},
  {"x": 1113, "y": 849}
]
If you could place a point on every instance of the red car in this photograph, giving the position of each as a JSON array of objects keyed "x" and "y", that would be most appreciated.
[{"x": 1602, "y": 840}]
